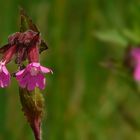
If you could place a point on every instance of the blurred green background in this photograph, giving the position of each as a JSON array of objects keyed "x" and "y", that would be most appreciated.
[{"x": 87, "y": 97}]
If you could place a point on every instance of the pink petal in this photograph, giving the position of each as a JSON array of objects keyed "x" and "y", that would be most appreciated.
[
  {"x": 41, "y": 81},
  {"x": 1, "y": 81},
  {"x": 31, "y": 83},
  {"x": 24, "y": 81},
  {"x": 45, "y": 70},
  {"x": 137, "y": 73},
  {"x": 4, "y": 79},
  {"x": 20, "y": 72},
  {"x": 136, "y": 53},
  {"x": 1, "y": 84},
  {"x": 35, "y": 64},
  {"x": 5, "y": 70}
]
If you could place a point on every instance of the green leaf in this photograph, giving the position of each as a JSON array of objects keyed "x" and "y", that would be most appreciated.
[
  {"x": 111, "y": 36},
  {"x": 133, "y": 37}
]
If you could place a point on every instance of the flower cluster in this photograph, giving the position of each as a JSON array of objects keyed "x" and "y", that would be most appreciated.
[{"x": 23, "y": 45}]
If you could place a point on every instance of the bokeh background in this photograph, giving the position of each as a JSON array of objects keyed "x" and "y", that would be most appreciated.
[{"x": 90, "y": 96}]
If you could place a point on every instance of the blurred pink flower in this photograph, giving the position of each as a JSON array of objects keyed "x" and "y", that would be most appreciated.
[
  {"x": 32, "y": 76},
  {"x": 4, "y": 75},
  {"x": 135, "y": 54}
]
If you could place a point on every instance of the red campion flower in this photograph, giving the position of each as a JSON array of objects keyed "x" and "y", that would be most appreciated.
[
  {"x": 32, "y": 76},
  {"x": 25, "y": 46},
  {"x": 4, "y": 74}
]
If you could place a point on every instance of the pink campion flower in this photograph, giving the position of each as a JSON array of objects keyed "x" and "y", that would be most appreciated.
[
  {"x": 32, "y": 76},
  {"x": 133, "y": 61},
  {"x": 135, "y": 55},
  {"x": 4, "y": 75}
]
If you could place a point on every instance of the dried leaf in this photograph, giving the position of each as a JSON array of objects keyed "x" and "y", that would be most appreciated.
[{"x": 27, "y": 23}]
